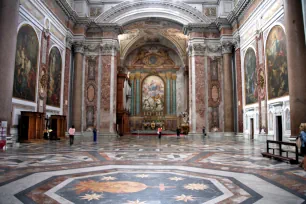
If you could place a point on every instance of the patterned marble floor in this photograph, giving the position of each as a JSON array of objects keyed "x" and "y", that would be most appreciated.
[{"x": 146, "y": 170}]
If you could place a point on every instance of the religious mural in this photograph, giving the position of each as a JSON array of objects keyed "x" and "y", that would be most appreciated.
[
  {"x": 54, "y": 79},
  {"x": 153, "y": 94},
  {"x": 250, "y": 76},
  {"x": 26, "y": 64},
  {"x": 277, "y": 63}
]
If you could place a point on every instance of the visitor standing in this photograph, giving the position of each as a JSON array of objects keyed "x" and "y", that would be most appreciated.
[
  {"x": 94, "y": 131},
  {"x": 303, "y": 144},
  {"x": 71, "y": 132},
  {"x": 178, "y": 132},
  {"x": 160, "y": 132}
]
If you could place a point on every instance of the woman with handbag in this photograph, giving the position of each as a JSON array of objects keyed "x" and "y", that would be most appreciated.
[{"x": 303, "y": 144}]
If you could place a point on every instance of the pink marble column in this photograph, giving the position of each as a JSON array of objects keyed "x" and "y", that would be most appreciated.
[
  {"x": 77, "y": 86},
  {"x": 108, "y": 89},
  {"x": 296, "y": 63},
  {"x": 9, "y": 10},
  {"x": 228, "y": 88}
]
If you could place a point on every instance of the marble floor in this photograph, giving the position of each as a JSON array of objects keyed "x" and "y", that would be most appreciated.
[{"x": 148, "y": 170}]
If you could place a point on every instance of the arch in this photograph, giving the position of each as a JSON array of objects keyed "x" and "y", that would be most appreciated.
[
  {"x": 174, "y": 46},
  {"x": 128, "y": 11},
  {"x": 250, "y": 76},
  {"x": 26, "y": 63},
  {"x": 54, "y": 77},
  {"x": 276, "y": 62}
]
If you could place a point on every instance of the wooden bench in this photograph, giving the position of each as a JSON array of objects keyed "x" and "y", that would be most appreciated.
[{"x": 279, "y": 148}]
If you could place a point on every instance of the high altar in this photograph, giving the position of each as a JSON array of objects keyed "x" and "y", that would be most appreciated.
[{"x": 152, "y": 78}]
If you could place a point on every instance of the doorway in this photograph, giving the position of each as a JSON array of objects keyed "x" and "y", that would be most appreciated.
[
  {"x": 279, "y": 128},
  {"x": 252, "y": 129}
]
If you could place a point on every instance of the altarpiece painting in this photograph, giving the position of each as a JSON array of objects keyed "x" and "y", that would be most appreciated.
[
  {"x": 54, "y": 85},
  {"x": 250, "y": 76},
  {"x": 277, "y": 63},
  {"x": 153, "y": 94},
  {"x": 26, "y": 64}
]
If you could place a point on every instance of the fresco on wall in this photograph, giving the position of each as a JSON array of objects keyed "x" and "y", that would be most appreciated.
[
  {"x": 153, "y": 94},
  {"x": 250, "y": 76},
  {"x": 54, "y": 85},
  {"x": 26, "y": 64},
  {"x": 277, "y": 63}
]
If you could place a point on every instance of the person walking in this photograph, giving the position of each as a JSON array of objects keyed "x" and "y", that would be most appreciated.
[
  {"x": 303, "y": 144},
  {"x": 71, "y": 132},
  {"x": 94, "y": 131},
  {"x": 178, "y": 132}
]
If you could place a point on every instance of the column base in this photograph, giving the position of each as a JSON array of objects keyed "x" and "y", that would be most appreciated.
[
  {"x": 195, "y": 134},
  {"x": 108, "y": 134},
  {"x": 229, "y": 134},
  {"x": 215, "y": 134}
]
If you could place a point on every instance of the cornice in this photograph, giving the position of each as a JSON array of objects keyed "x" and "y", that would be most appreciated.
[
  {"x": 239, "y": 9},
  {"x": 124, "y": 7},
  {"x": 222, "y": 23},
  {"x": 199, "y": 27},
  {"x": 67, "y": 10}
]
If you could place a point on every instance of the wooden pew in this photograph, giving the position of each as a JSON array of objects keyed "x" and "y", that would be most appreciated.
[{"x": 277, "y": 152}]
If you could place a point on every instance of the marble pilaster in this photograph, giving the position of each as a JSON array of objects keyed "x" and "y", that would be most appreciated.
[
  {"x": 168, "y": 99},
  {"x": 137, "y": 76},
  {"x": 9, "y": 10},
  {"x": 132, "y": 77},
  {"x": 296, "y": 63},
  {"x": 108, "y": 87},
  {"x": 174, "y": 94},
  {"x": 197, "y": 86}
]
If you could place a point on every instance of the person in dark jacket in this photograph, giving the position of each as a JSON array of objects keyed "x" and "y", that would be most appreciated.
[{"x": 178, "y": 131}]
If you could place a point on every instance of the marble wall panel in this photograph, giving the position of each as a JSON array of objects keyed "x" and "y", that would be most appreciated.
[
  {"x": 91, "y": 90},
  {"x": 200, "y": 92},
  {"x": 66, "y": 82},
  {"x": 105, "y": 93}
]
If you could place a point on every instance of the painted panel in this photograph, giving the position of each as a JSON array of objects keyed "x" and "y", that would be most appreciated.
[
  {"x": 54, "y": 85},
  {"x": 250, "y": 76},
  {"x": 277, "y": 63},
  {"x": 26, "y": 64},
  {"x": 153, "y": 94}
]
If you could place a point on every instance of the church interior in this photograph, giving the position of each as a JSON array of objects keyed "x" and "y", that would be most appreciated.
[{"x": 178, "y": 101}]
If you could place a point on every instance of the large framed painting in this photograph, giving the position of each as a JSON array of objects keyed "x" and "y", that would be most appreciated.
[
  {"x": 250, "y": 76},
  {"x": 26, "y": 64},
  {"x": 153, "y": 94},
  {"x": 54, "y": 79},
  {"x": 276, "y": 52}
]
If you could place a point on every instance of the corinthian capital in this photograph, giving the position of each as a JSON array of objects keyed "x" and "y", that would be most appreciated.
[
  {"x": 69, "y": 43},
  {"x": 109, "y": 47},
  {"x": 78, "y": 46},
  {"x": 197, "y": 49},
  {"x": 236, "y": 42},
  {"x": 227, "y": 47}
]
